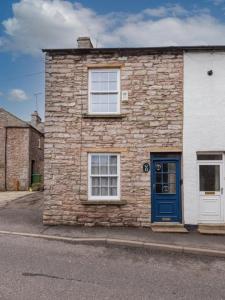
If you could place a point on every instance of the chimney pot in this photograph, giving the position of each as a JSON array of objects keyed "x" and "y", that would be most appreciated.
[{"x": 84, "y": 42}]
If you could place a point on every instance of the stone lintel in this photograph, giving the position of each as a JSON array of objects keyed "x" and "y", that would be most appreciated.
[
  {"x": 104, "y": 149},
  {"x": 165, "y": 149},
  {"x": 105, "y": 65}
]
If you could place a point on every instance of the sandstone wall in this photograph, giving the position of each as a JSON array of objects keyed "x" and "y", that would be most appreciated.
[
  {"x": 17, "y": 159},
  {"x": 6, "y": 119},
  {"x": 151, "y": 119}
]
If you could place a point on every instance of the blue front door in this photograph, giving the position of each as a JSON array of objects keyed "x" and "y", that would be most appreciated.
[{"x": 165, "y": 187}]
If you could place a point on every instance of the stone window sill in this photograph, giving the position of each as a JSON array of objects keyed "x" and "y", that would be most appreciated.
[
  {"x": 104, "y": 202},
  {"x": 101, "y": 116}
]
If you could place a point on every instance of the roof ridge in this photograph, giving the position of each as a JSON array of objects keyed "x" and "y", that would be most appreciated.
[{"x": 14, "y": 116}]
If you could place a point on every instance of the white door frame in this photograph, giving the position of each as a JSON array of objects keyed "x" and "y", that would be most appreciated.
[{"x": 216, "y": 194}]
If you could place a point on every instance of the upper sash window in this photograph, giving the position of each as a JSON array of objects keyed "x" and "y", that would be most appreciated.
[{"x": 104, "y": 91}]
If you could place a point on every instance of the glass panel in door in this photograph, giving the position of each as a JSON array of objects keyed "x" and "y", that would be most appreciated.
[
  {"x": 165, "y": 178},
  {"x": 209, "y": 178}
]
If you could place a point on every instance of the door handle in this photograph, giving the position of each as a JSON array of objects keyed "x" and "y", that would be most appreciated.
[{"x": 221, "y": 190}]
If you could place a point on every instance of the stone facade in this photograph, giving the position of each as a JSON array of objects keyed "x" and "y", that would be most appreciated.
[
  {"x": 150, "y": 121},
  {"x": 17, "y": 155},
  {"x": 19, "y": 146}
]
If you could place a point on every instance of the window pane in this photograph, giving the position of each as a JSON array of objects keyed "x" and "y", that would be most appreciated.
[
  {"x": 113, "y": 107},
  {"x": 94, "y": 159},
  {"x": 104, "y": 164},
  {"x": 96, "y": 86},
  {"x": 113, "y": 160},
  {"x": 169, "y": 167},
  {"x": 172, "y": 189},
  {"x": 101, "y": 108},
  {"x": 112, "y": 170},
  {"x": 94, "y": 170},
  {"x": 113, "y": 98},
  {"x": 104, "y": 86},
  {"x": 104, "y": 170},
  {"x": 209, "y": 156},
  {"x": 104, "y": 191},
  {"x": 169, "y": 178},
  {"x": 113, "y": 191},
  {"x": 112, "y": 76},
  {"x": 95, "y": 181},
  {"x": 104, "y": 76},
  {"x": 158, "y": 188},
  {"x": 104, "y": 181},
  {"x": 169, "y": 188},
  {"x": 99, "y": 102},
  {"x": 158, "y": 177},
  {"x": 104, "y": 159},
  {"x": 95, "y": 191},
  {"x": 95, "y": 76},
  {"x": 209, "y": 176},
  {"x": 112, "y": 86},
  {"x": 113, "y": 181}
]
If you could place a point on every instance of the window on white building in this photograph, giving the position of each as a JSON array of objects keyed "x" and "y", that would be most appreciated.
[
  {"x": 104, "y": 91},
  {"x": 104, "y": 177}
]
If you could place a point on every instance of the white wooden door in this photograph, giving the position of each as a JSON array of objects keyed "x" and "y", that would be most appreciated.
[{"x": 210, "y": 192}]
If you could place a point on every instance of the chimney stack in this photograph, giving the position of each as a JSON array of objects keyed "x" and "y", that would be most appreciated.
[
  {"x": 84, "y": 42},
  {"x": 35, "y": 119}
]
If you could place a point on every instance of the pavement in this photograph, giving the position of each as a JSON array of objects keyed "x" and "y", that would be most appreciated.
[
  {"x": 7, "y": 197},
  {"x": 23, "y": 216}
]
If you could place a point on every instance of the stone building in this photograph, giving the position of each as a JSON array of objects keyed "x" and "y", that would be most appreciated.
[
  {"x": 116, "y": 153},
  {"x": 21, "y": 151},
  {"x": 109, "y": 114}
]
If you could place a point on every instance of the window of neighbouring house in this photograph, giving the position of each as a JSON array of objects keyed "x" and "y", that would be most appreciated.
[
  {"x": 209, "y": 156},
  {"x": 104, "y": 91},
  {"x": 104, "y": 178}
]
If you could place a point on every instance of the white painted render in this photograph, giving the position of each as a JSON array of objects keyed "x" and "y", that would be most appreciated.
[{"x": 204, "y": 120}]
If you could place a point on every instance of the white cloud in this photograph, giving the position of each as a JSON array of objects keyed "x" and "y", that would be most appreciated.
[
  {"x": 163, "y": 11},
  {"x": 17, "y": 95},
  {"x": 50, "y": 23},
  {"x": 217, "y": 2},
  {"x": 58, "y": 23}
]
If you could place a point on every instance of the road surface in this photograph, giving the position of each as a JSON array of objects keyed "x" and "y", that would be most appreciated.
[{"x": 33, "y": 269}]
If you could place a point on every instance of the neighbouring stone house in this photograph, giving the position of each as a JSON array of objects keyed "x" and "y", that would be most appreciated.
[
  {"x": 114, "y": 136},
  {"x": 21, "y": 151}
]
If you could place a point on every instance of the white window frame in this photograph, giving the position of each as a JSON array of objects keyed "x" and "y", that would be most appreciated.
[
  {"x": 90, "y": 91},
  {"x": 104, "y": 198}
]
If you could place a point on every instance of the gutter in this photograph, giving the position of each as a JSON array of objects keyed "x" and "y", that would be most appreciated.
[{"x": 136, "y": 50}]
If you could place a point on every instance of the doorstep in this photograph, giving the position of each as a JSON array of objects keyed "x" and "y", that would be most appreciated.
[
  {"x": 217, "y": 229},
  {"x": 168, "y": 227}
]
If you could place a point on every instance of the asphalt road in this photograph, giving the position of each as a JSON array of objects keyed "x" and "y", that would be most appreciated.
[{"x": 40, "y": 269}]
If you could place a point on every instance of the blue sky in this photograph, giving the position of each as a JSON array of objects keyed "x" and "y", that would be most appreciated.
[{"x": 26, "y": 26}]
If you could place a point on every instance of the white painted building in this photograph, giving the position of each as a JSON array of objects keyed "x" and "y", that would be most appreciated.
[{"x": 204, "y": 137}]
